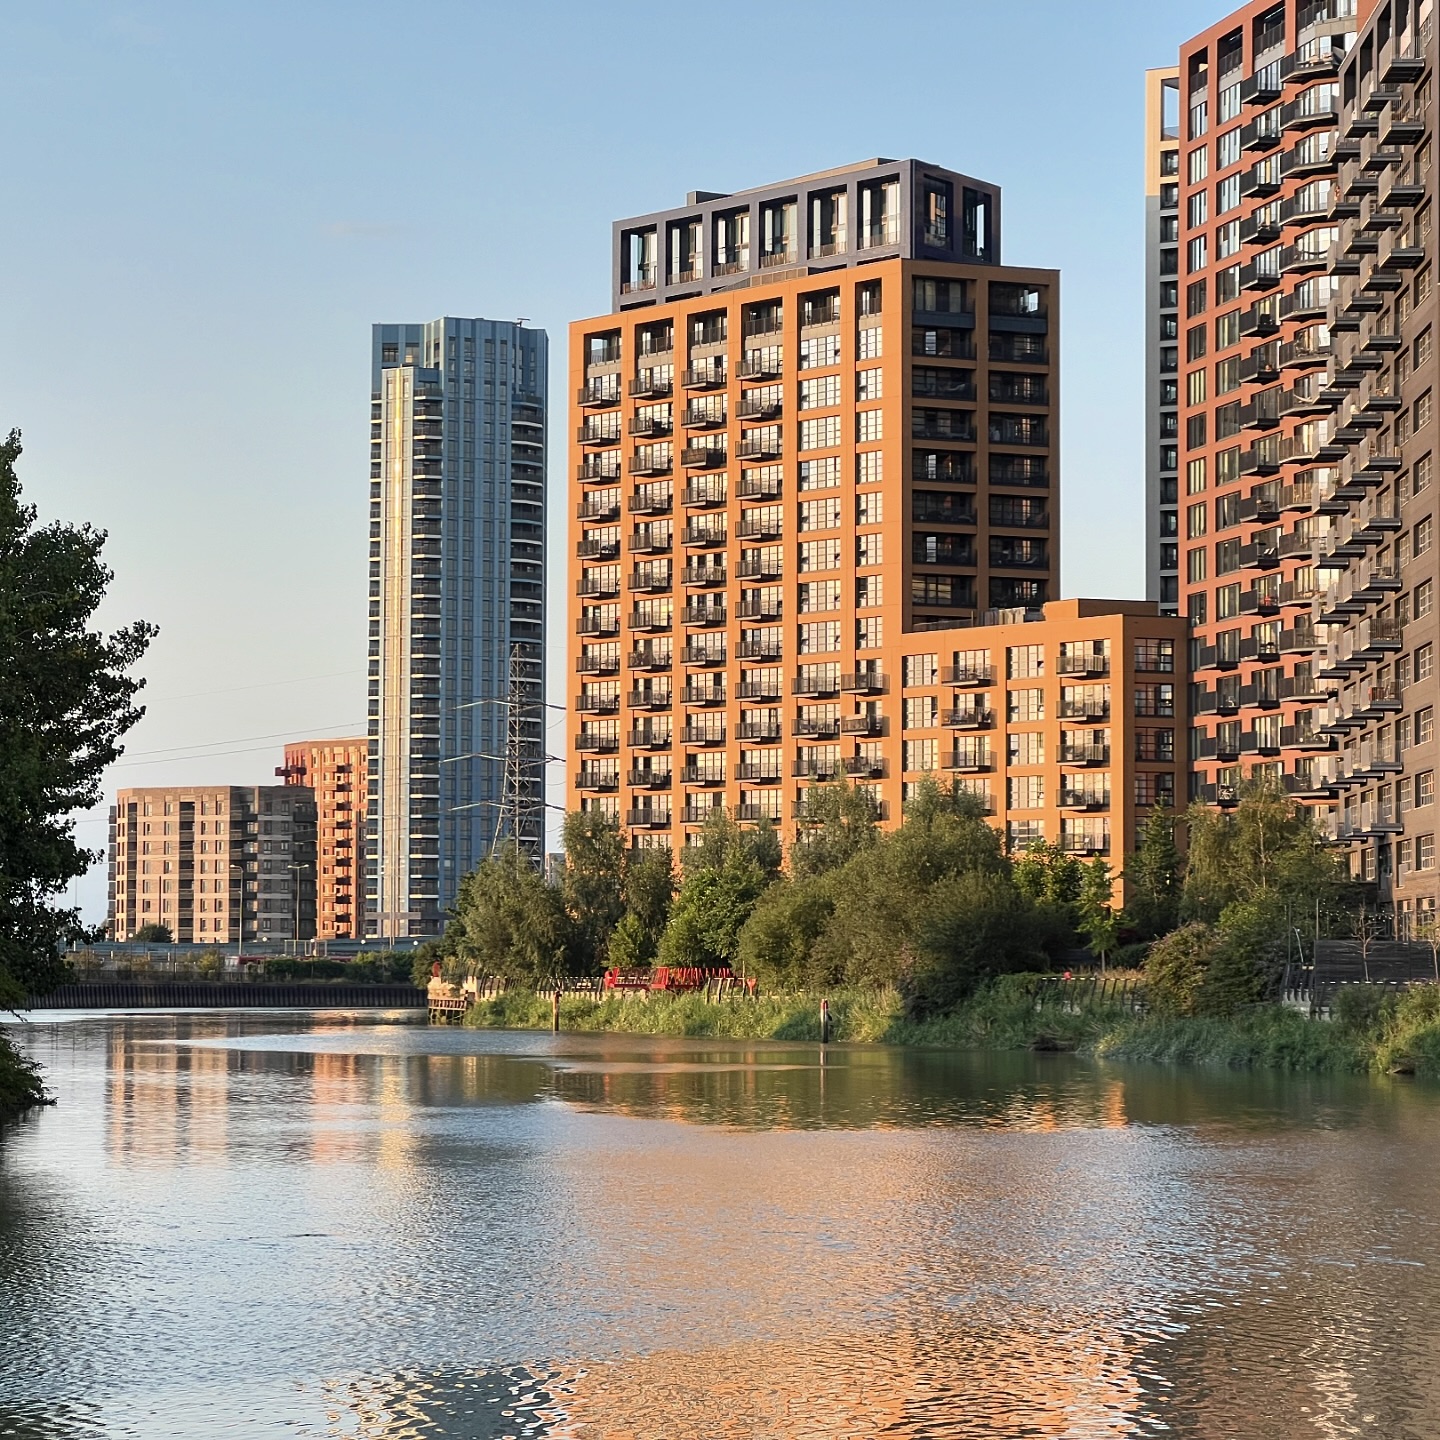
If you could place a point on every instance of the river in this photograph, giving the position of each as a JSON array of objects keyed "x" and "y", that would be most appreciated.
[{"x": 278, "y": 1224}]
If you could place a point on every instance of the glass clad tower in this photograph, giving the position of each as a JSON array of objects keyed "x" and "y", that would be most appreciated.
[{"x": 457, "y": 608}]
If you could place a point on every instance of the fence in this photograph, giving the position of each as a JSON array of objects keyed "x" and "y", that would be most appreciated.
[
  {"x": 227, "y": 995},
  {"x": 1082, "y": 991}
]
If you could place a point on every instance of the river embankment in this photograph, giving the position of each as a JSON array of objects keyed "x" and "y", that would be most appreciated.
[{"x": 1374, "y": 1030}]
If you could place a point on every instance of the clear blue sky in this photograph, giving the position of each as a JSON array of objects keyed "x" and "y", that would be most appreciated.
[{"x": 205, "y": 207}]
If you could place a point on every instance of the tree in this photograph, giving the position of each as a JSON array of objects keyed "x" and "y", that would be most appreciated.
[
  {"x": 1152, "y": 877},
  {"x": 1098, "y": 922},
  {"x": 154, "y": 934},
  {"x": 1427, "y": 930},
  {"x": 1045, "y": 872},
  {"x": 508, "y": 923},
  {"x": 65, "y": 705},
  {"x": 841, "y": 821},
  {"x": 649, "y": 892},
  {"x": 712, "y": 907},
  {"x": 1267, "y": 846},
  {"x": 778, "y": 943},
  {"x": 593, "y": 886}
]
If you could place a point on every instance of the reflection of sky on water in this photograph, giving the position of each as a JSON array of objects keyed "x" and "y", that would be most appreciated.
[{"x": 385, "y": 1231}]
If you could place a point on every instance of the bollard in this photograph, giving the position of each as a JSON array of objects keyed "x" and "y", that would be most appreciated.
[
  {"x": 824, "y": 1022},
  {"x": 555, "y": 1013}
]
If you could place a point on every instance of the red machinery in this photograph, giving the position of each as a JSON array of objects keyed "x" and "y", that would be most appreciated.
[{"x": 674, "y": 979}]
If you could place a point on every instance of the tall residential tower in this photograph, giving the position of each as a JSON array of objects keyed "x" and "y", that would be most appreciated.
[{"x": 457, "y": 609}]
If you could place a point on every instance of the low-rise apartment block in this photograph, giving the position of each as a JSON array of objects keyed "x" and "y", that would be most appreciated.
[{"x": 213, "y": 863}]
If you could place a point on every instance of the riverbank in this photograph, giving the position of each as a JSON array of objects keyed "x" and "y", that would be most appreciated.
[
  {"x": 20, "y": 1086},
  {"x": 1376, "y": 1031}
]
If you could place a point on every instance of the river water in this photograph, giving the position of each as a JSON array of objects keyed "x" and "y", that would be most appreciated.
[{"x": 272, "y": 1224}]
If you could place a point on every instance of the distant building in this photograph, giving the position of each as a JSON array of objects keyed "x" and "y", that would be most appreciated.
[
  {"x": 336, "y": 772},
  {"x": 214, "y": 864},
  {"x": 457, "y": 607}
]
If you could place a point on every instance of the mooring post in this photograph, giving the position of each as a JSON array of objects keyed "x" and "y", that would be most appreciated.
[
  {"x": 824, "y": 1022},
  {"x": 555, "y": 1012}
]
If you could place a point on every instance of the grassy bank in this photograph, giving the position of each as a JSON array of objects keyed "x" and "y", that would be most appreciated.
[
  {"x": 20, "y": 1086},
  {"x": 1374, "y": 1031}
]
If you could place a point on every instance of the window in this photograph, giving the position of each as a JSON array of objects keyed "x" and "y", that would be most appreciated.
[
  {"x": 1155, "y": 655},
  {"x": 869, "y": 344},
  {"x": 820, "y": 638},
  {"x": 1227, "y": 557},
  {"x": 1227, "y": 330},
  {"x": 1025, "y": 705},
  {"x": 869, "y": 591},
  {"x": 818, "y": 595},
  {"x": 1424, "y": 598},
  {"x": 1425, "y": 725},
  {"x": 1195, "y": 343},
  {"x": 1195, "y": 520},
  {"x": 1024, "y": 662},
  {"x": 1424, "y": 788},
  {"x": 1227, "y": 150},
  {"x": 868, "y": 384},
  {"x": 919, "y": 712},
  {"x": 920, "y": 754},
  {"x": 820, "y": 392},
  {"x": 816, "y": 352},
  {"x": 1026, "y": 747},
  {"x": 1199, "y": 209},
  {"x": 869, "y": 632},
  {"x": 819, "y": 555},
  {"x": 1227, "y": 375},
  {"x": 1195, "y": 565},
  {"x": 819, "y": 514},
  {"x": 820, "y": 434},
  {"x": 1198, "y": 253},
  {"x": 1195, "y": 477},
  {"x": 1199, "y": 164},
  {"x": 1422, "y": 410},
  {"x": 1195, "y": 387},
  {"x": 1195, "y": 302},
  {"x": 919, "y": 669},
  {"x": 1424, "y": 852},
  {"x": 1227, "y": 601},
  {"x": 1422, "y": 536},
  {"x": 869, "y": 425},
  {"x": 869, "y": 507},
  {"x": 1026, "y": 792},
  {"x": 869, "y": 468}
]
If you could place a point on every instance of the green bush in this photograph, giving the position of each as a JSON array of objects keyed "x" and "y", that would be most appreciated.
[{"x": 20, "y": 1085}]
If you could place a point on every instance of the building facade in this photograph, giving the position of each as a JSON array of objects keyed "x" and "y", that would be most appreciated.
[
  {"x": 457, "y": 610},
  {"x": 214, "y": 864},
  {"x": 813, "y": 455},
  {"x": 1162, "y": 337},
  {"x": 1305, "y": 370},
  {"x": 335, "y": 772}
]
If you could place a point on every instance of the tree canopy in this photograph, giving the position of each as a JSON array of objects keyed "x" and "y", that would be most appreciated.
[{"x": 66, "y": 702}]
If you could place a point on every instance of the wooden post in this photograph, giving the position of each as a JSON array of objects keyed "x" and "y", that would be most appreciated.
[
  {"x": 555, "y": 1012},
  {"x": 824, "y": 1022}
]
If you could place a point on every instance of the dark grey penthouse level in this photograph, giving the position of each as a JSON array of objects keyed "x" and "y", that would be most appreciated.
[{"x": 876, "y": 210}]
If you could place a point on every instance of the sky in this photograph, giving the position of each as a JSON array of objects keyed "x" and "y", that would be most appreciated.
[{"x": 205, "y": 208}]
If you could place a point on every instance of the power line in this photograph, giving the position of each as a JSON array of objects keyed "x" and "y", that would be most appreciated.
[{"x": 240, "y": 740}]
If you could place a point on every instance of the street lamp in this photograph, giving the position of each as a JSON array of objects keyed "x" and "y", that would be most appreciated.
[{"x": 295, "y": 884}]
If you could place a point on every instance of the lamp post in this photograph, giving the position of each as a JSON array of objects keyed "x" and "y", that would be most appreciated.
[{"x": 295, "y": 870}]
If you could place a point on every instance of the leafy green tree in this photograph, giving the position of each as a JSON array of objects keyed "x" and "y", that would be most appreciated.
[
  {"x": 508, "y": 923},
  {"x": 778, "y": 943},
  {"x": 1152, "y": 877},
  {"x": 1047, "y": 873},
  {"x": 154, "y": 934},
  {"x": 1266, "y": 846},
  {"x": 66, "y": 702},
  {"x": 593, "y": 886},
  {"x": 1098, "y": 921},
  {"x": 840, "y": 822},
  {"x": 649, "y": 892},
  {"x": 724, "y": 877}
]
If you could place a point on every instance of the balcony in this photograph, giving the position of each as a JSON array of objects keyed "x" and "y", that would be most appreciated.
[
  {"x": 703, "y": 615},
  {"x": 865, "y": 682},
  {"x": 816, "y": 768},
  {"x": 598, "y": 625},
  {"x": 1085, "y": 712},
  {"x": 598, "y": 550},
  {"x": 755, "y": 645},
  {"x": 591, "y": 433},
  {"x": 967, "y": 718},
  {"x": 650, "y": 464},
  {"x": 760, "y": 447},
  {"x": 703, "y": 736},
  {"x": 655, "y": 581},
  {"x": 756, "y": 366},
  {"x": 651, "y": 699},
  {"x": 598, "y": 704},
  {"x": 1084, "y": 755},
  {"x": 598, "y": 510},
  {"x": 760, "y": 567},
  {"x": 770, "y": 691},
  {"x": 597, "y": 744},
  {"x": 703, "y": 457},
  {"x": 816, "y": 729},
  {"x": 599, "y": 392},
  {"x": 704, "y": 695},
  {"x": 816, "y": 687},
  {"x": 598, "y": 587},
  {"x": 643, "y": 779},
  {"x": 704, "y": 656},
  {"x": 970, "y": 762},
  {"x": 704, "y": 577},
  {"x": 703, "y": 496},
  {"x": 761, "y": 774},
  {"x": 1072, "y": 844},
  {"x": 598, "y": 665},
  {"x": 761, "y": 732},
  {"x": 966, "y": 675},
  {"x": 655, "y": 621},
  {"x": 1083, "y": 665},
  {"x": 645, "y": 738},
  {"x": 644, "y": 659},
  {"x": 1084, "y": 799},
  {"x": 703, "y": 537},
  {"x": 710, "y": 417},
  {"x": 760, "y": 607},
  {"x": 756, "y": 406},
  {"x": 644, "y": 543},
  {"x": 758, "y": 486},
  {"x": 650, "y": 387},
  {"x": 705, "y": 778},
  {"x": 704, "y": 377},
  {"x": 756, "y": 526},
  {"x": 868, "y": 725},
  {"x": 645, "y": 819},
  {"x": 601, "y": 781}
]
